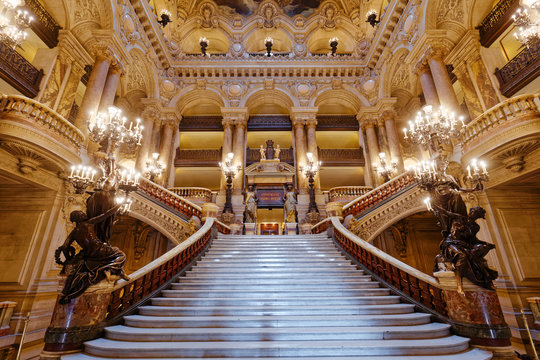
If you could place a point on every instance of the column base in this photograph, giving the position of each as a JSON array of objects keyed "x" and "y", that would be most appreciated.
[{"x": 290, "y": 228}]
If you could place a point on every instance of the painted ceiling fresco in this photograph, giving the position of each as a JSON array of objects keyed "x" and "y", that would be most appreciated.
[{"x": 290, "y": 7}]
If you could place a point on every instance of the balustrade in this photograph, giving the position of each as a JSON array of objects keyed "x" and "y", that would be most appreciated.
[
  {"x": 497, "y": 21},
  {"x": 499, "y": 115},
  {"x": 18, "y": 72},
  {"x": 43, "y": 115},
  {"x": 379, "y": 194},
  {"x": 195, "y": 194},
  {"x": 341, "y": 157},
  {"x": 205, "y": 157},
  {"x": 44, "y": 24},
  {"x": 169, "y": 198},
  {"x": 321, "y": 226},
  {"x": 520, "y": 71},
  {"x": 347, "y": 193}
]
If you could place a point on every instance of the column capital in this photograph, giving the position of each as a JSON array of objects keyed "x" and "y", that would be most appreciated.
[
  {"x": 235, "y": 115},
  {"x": 304, "y": 116},
  {"x": 421, "y": 67},
  {"x": 436, "y": 50},
  {"x": 117, "y": 68}
]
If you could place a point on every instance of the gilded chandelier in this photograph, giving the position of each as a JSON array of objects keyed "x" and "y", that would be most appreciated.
[
  {"x": 434, "y": 127},
  {"x": 13, "y": 22},
  {"x": 527, "y": 19}
]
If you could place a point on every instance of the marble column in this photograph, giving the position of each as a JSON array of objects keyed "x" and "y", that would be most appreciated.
[
  {"x": 239, "y": 149},
  {"x": 311, "y": 140},
  {"x": 393, "y": 138},
  {"x": 300, "y": 143},
  {"x": 227, "y": 146},
  {"x": 368, "y": 178},
  {"x": 166, "y": 143},
  {"x": 428, "y": 86},
  {"x": 145, "y": 149},
  {"x": 373, "y": 147},
  {"x": 109, "y": 90},
  {"x": 445, "y": 90},
  {"x": 94, "y": 90}
]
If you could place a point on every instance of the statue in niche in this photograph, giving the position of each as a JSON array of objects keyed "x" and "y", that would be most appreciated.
[
  {"x": 95, "y": 262},
  {"x": 461, "y": 251},
  {"x": 251, "y": 205},
  {"x": 329, "y": 14},
  {"x": 290, "y": 204},
  {"x": 268, "y": 13},
  {"x": 277, "y": 151},
  {"x": 262, "y": 151},
  {"x": 208, "y": 19}
]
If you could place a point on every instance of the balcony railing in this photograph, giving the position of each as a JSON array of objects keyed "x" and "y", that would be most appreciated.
[
  {"x": 183, "y": 206},
  {"x": 205, "y": 157},
  {"x": 347, "y": 193},
  {"x": 18, "y": 72},
  {"x": 44, "y": 24},
  {"x": 254, "y": 155},
  {"x": 379, "y": 194},
  {"x": 517, "y": 108},
  {"x": 341, "y": 157},
  {"x": 520, "y": 71},
  {"x": 497, "y": 21},
  {"x": 195, "y": 194},
  {"x": 43, "y": 115}
]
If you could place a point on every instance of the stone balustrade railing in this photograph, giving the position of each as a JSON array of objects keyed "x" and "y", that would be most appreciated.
[
  {"x": 499, "y": 115},
  {"x": 195, "y": 194},
  {"x": 379, "y": 194},
  {"x": 321, "y": 226},
  {"x": 169, "y": 198},
  {"x": 421, "y": 287},
  {"x": 347, "y": 193},
  {"x": 43, "y": 115}
]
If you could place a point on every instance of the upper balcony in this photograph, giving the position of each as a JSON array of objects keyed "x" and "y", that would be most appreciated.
[
  {"x": 497, "y": 21},
  {"x": 19, "y": 72},
  {"x": 520, "y": 71}
]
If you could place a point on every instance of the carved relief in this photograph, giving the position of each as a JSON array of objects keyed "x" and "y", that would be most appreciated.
[
  {"x": 450, "y": 10},
  {"x": 208, "y": 18},
  {"x": 85, "y": 10},
  {"x": 268, "y": 12}
]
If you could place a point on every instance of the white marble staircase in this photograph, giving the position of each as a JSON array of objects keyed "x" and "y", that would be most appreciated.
[{"x": 262, "y": 297}]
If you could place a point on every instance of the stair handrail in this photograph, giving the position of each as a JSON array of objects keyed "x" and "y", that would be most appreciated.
[
  {"x": 420, "y": 287},
  {"x": 169, "y": 198},
  {"x": 222, "y": 228},
  {"x": 380, "y": 193},
  {"x": 321, "y": 226},
  {"x": 148, "y": 279},
  {"x": 193, "y": 192}
]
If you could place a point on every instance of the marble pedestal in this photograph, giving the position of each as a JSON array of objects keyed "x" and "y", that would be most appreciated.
[
  {"x": 290, "y": 228},
  {"x": 251, "y": 228},
  {"x": 476, "y": 314}
]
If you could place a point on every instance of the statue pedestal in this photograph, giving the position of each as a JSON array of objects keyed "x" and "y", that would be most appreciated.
[
  {"x": 78, "y": 321},
  {"x": 476, "y": 314},
  {"x": 251, "y": 228},
  {"x": 290, "y": 228},
  {"x": 209, "y": 210}
]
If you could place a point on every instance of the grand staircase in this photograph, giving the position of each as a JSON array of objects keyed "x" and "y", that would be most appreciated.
[{"x": 294, "y": 297}]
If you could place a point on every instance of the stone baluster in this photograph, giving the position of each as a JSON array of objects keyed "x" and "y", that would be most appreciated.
[
  {"x": 94, "y": 90},
  {"x": 428, "y": 86},
  {"x": 394, "y": 147},
  {"x": 111, "y": 85}
]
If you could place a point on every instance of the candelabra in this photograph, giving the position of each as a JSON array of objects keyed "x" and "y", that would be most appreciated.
[
  {"x": 310, "y": 170},
  {"x": 165, "y": 18},
  {"x": 477, "y": 175},
  {"x": 426, "y": 173},
  {"x": 229, "y": 170},
  {"x": 333, "y": 42},
  {"x": 204, "y": 44},
  {"x": 371, "y": 17},
  {"x": 433, "y": 128},
  {"x": 268, "y": 42},
  {"x": 384, "y": 169},
  {"x": 110, "y": 130},
  {"x": 13, "y": 22},
  {"x": 527, "y": 18},
  {"x": 153, "y": 167}
]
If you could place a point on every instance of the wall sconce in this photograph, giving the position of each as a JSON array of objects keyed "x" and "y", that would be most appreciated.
[
  {"x": 165, "y": 18},
  {"x": 268, "y": 42},
  {"x": 371, "y": 17},
  {"x": 333, "y": 45},
  {"x": 204, "y": 44}
]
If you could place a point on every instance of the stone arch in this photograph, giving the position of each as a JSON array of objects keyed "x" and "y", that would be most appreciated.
[
  {"x": 347, "y": 96},
  {"x": 260, "y": 97},
  {"x": 188, "y": 99}
]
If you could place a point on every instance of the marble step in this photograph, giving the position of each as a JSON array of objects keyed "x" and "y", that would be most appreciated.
[
  {"x": 271, "y": 257},
  {"x": 126, "y": 333},
  {"x": 274, "y": 294},
  {"x": 274, "y": 310},
  {"x": 321, "y": 281},
  {"x": 291, "y": 301},
  {"x": 289, "y": 271},
  {"x": 277, "y": 321},
  {"x": 471, "y": 354},
  {"x": 242, "y": 287},
  {"x": 446, "y": 345},
  {"x": 217, "y": 265}
]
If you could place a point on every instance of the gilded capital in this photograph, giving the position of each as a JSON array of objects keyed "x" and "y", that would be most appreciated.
[
  {"x": 421, "y": 67},
  {"x": 235, "y": 115}
]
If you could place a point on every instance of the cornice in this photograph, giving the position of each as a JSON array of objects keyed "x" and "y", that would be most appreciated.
[
  {"x": 425, "y": 41},
  {"x": 368, "y": 113},
  {"x": 69, "y": 42},
  {"x": 466, "y": 50},
  {"x": 111, "y": 40}
]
